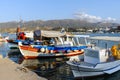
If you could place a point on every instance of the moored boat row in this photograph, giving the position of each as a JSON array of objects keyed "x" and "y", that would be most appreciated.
[
  {"x": 49, "y": 44},
  {"x": 90, "y": 61}
]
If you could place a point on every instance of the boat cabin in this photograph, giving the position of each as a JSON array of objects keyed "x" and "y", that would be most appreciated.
[
  {"x": 49, "y": 37},
  {"x": 77, "y": 40},
  {"x": 95, "y": 56},
  {"x": 59, "y": 38}
]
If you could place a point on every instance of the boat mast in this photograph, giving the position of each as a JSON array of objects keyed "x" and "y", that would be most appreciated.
[{"x": 18, "y": 28}]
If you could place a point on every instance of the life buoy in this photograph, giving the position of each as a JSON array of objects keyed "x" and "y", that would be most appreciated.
[
  {"x": 51, "y": 51},
  {"x": 42, "y": 50}
]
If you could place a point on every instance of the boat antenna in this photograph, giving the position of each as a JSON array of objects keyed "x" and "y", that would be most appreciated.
[
  {"x": 106, "y": 46},
  {"x": 20, "y": 23},
  {"x": 18, "y": 28}
]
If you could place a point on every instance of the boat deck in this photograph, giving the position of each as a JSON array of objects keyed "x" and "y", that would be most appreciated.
[
  {"x": 78, "y": 74},
  {"x": 87, "y": 64},
  {"x": 84, "y": 64}
]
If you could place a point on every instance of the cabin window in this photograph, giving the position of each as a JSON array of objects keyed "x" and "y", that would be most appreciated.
[
  {"x": 81, "y": 40},
  {"x": 91, "y": 53}
]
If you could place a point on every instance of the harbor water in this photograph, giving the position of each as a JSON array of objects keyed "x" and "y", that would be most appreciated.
[{"x": 56, "y": 68}]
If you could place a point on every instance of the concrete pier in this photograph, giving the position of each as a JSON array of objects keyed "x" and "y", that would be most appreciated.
[{"x": 9, "y": 70}]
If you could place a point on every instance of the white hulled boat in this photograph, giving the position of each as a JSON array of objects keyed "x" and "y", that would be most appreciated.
[{"x": 95, "y": 61}]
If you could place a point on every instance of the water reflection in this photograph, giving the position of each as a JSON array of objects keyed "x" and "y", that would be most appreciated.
[
  {"x": 114, "y": 76},
  {"x": 49, "y": 68},
  {"x": 39, "y": 65},
  {"x": 4, "y": 49}
]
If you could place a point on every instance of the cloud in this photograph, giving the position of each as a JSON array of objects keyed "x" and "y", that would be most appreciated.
[
  {"x": 110, "y": 19},
  {"x": 91, "y": 18}
]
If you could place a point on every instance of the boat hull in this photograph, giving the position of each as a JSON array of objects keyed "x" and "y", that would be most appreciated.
[
  {"x": 12, "y": 41},
  {"x": 29, "y": 53},
  {"x": 78, "y": 74},
  {"x": 103, "y": 68}
]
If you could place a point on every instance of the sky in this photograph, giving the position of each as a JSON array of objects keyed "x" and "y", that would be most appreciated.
[{"x": 92, "y": 10}]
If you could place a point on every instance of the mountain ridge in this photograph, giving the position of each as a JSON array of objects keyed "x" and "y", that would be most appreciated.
[{"x": 51, "y": 24}]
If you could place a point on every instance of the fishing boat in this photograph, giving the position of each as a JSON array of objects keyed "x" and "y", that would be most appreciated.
[
  {"x": 2, "y": 39},
  {"x": 19, "y": 36},
  {"x": 96, "y": 61},
  {"x": 49, "y": 51},
  {"x": 62, "y": 45}
]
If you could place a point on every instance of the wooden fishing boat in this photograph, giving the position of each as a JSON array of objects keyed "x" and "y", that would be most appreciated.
[
  {"x": 49, "y": 51},
  {"x": 62, "y": 46}
]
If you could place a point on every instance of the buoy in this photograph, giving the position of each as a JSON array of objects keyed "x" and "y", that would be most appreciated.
[
  {"x": 42, "y": 50},
  {"x": 46, "y": 50},
  {"x": 51, "y": 51}
]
